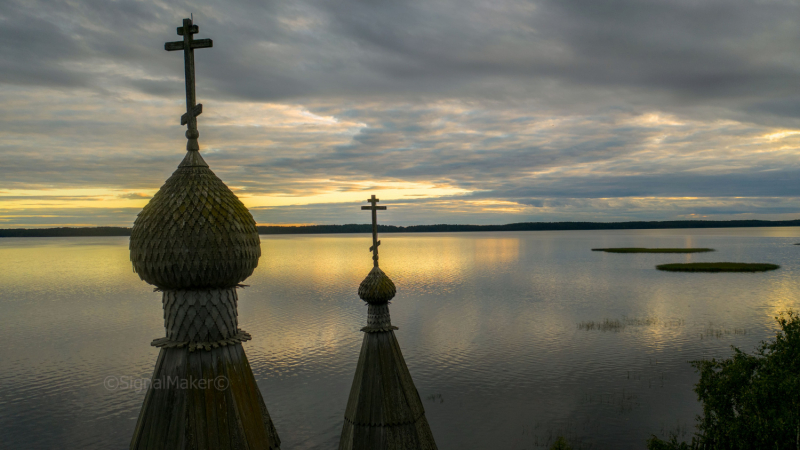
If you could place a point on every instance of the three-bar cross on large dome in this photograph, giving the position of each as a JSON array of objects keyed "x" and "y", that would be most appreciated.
[
  {"x": 194, "y": 233},
  {"x": 196, "y": 242}
]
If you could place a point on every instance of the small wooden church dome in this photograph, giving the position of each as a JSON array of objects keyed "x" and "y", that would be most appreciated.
[
  {"x": 194, "y": 233},
  {"x": 377, "y": 288}
]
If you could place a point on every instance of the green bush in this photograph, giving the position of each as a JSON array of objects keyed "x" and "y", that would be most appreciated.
[{"x": 750, "y": 401}]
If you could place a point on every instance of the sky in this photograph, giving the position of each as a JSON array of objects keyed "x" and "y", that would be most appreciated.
[{"x": 449, "y": 111}]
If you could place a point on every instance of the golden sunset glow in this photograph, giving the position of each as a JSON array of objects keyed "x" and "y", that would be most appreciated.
[
  {"x": 352, "y": 192},
  {"x": 14, "y": 199},
  {"x": 780, "y": 135}
]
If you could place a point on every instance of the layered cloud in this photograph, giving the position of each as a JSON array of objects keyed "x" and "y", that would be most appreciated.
[{"x": 453, "y": 112}]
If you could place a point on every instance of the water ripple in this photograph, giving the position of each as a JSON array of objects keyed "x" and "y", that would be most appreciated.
[{"x": 489, "y": 324}]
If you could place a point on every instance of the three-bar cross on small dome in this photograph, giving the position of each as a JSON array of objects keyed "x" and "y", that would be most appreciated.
[
  {"x": 377, "y": 287},
  {"x": 384, "y": 410}
]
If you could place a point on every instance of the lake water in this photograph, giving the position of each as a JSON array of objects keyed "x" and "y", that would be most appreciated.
[{"x": 488, "y": 324}]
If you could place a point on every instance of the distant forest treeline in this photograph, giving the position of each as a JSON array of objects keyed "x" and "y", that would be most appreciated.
[{"x": 366, "y": 228}]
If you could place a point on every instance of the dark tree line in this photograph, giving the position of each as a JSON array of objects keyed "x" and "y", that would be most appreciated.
[
  {"x": 65, "y": 231},
  {"x": 366, "y": 228}
]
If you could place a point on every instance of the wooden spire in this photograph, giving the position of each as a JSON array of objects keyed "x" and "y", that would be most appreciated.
[
  {"x": 195, "y": 241},
  {"x": 384, "y": 410}
]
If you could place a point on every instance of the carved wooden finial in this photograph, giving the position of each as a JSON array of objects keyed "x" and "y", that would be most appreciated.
[
  {"x": 188, "y": 44},
  {"x": 375, "y": 242}
]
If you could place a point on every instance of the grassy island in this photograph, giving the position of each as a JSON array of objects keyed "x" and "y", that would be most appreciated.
[
  {"x": 652, "y": 250},
  {"x": 718, "y": 267}
]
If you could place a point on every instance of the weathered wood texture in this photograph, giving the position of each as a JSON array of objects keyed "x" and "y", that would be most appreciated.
[
  {"x": 194, "y": 233},
  {"x": 201, "y": 319},
  {"x": 238, "y": 338},
  {"x": 204, "y": 400},
  {"x": 384, "y": 411},
  {"x": 200, "y": 315},
  {"x": 196, "y": 241},
  {"x": 378, "y": 318},
  {"x": 377, "y": 287}
]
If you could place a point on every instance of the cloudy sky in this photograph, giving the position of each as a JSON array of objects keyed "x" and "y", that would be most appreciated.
[{"x": 450, "y": 111}]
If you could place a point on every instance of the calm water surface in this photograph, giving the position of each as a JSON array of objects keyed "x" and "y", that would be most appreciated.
[{"x": 488, "y": 326}]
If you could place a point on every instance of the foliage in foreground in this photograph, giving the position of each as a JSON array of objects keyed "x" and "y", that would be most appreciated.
[
  {"x": 749, "y": 401},
  {"x": 655, "y": 443},
  {"x": 717, "y": 267}
]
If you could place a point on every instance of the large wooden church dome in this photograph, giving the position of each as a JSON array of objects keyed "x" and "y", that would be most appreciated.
[{"x": 194, "y": 233}]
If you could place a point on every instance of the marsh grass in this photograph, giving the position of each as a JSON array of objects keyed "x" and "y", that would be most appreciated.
[
  {"x": 717, "y": 267},
  {"x": 605, "y": 325},
  {"x": 672, "y": 436},
  {"x": 561, "y": 444},
  {"x": 720, "y": 331},
  {"x": 618, "y": 325},
  {"x": 680, "y": 430},
  {"x": 436, "y": 398},
  {"x": 624, "y": 402},
  {"x": 566, "y": 437},
  {"x": 652, "y": 250}
]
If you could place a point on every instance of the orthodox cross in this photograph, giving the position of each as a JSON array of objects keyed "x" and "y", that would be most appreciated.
[
  {"x": 375, "y": 242},
  {"x": 188, "y": 45}
]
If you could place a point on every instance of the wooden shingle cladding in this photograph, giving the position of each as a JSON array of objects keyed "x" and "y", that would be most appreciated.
[
  {"x": 384, "y": 410},
  {"x": 194, "y": 233},
  {"x": 196, "y": 241},
  {"x": 200, "y": 315},
  {"x": 377, "y": 287},
  {"x": 204, "y": 400}
]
